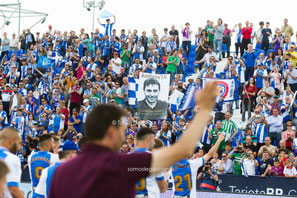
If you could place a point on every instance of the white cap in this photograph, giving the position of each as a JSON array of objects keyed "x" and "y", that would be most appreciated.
[{"x": 85, "y": 100}]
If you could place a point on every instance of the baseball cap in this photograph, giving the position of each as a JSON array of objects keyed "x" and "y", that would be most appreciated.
[
  {"x": 45, "y": 76},
  {"x": 40, "y": 124},
  {"x": 7, "y": 85},
  {"x": 112, "y": 100},
  {"x": 208, "y": 66},
  {"x": 68, "y": 146},
  {"x": 191, "y": 78},
  {"x": 85, "y": 100},
  {"x": 50, "y": 26},
  {"x": 275, "y": 96}
]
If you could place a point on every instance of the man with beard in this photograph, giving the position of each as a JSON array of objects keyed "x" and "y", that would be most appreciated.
[
  {"x": 10, "y": 144},
  {"x": 41, "y": 160}
]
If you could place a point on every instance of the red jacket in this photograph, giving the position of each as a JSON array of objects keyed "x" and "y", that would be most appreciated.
[{"x": 246, "y": 34}]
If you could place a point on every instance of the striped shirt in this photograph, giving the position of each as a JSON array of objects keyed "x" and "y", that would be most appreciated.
[
  {"x": 229, "y": 127},
  {"x": 204, "y": 137},
  {"x": 261, "y": 132}
]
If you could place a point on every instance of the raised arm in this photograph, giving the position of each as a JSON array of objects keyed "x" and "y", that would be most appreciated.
[
  {"x": 166, "y": 157},
  {"x": 214, "y": 148}
]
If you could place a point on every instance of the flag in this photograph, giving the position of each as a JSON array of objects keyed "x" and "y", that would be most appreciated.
[
  {"x": 188, "y": 101},
  {"x": 132, "y": 89},
  {"x": 228, "y": 88},
  {"x": 106, "y": 14},
  {"x": 175, "y": 99},
  {"x": 44, "y": 62},
  {"x": 57, "y": 59}
]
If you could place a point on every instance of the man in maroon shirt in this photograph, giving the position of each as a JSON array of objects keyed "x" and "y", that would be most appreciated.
[
  {"x": 101, "y": 171},
  {"x": 246, "y": 37}
]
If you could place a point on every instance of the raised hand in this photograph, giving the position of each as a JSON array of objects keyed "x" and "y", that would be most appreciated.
[{"x": 206, "y": 98}]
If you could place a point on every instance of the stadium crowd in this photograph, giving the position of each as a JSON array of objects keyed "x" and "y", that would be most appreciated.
[{"x": 95, "y": 70}]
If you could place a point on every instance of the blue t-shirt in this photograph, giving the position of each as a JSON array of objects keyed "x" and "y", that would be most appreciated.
[{"x": 77, "y": 127}]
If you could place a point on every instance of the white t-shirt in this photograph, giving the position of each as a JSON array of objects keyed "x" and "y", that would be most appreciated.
[
  {"x": 14, "y": 42},
  {"x": 249, "y": 166},
  {"x": 115, "y": 68},
  {"x": 164, "y": 36},
  {"x": 14, "y": 164},
  {"x": 290, "y": 171}
]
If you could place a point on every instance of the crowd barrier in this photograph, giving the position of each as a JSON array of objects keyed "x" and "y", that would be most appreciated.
[{"x": 251, "y": 186}]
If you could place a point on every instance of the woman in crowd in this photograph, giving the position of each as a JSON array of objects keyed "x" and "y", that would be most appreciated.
[{"x": 249, "y": 94}]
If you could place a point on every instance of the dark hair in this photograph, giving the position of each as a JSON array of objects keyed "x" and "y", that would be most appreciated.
[
  {"x": 44, "y": 138},
  {"x": 158, "y": 144},
  {"x": 63, "y": 154},
  {"x": 82, "y": 142},
  {"x": 100, "y": 119},
  {"x": 142, "y": 133},
  {"x": 273, "y": 55},
  {"x": 261, "y": 23},
  {"x": 150, "y": 81}
]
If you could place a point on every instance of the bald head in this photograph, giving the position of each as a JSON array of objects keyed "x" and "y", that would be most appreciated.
[
  {"x": 10, "y": 139},
  {"x": 9, "y": 133}
]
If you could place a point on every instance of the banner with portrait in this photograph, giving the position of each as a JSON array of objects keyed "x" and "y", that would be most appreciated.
[{"x": 152, "y": 96}]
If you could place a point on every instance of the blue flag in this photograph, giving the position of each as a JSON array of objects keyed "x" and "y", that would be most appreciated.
[
  {"x": 188, "y": 101},
  {"x": 57, "y": 58},
  {"x": 44, "y": 62},
  {"x": 106, "y": 14}
]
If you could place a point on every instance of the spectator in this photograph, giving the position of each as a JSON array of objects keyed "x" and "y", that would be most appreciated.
[
  {"x": 172, "y": 62},
  {"x": 275, "y": 126},
  {"x": 227, "y": 39},
  {"x": 277, "y": 40},
  {"x": 250, "y": 146},
  {"x": 250, "y": 61},
  {"x": 274, "y": 170},
  {"x": 214, "y": 135},
  {"x": 218, "y": 37},
  {"x": 249, "y": 164},
  {"x": 75, "y": 98},
  {"x": 246, "y": 37},
  {"x": 217, "y": 163},
  {"x": 265, "y": 162},
  {"x": 287, "y": 30},
  {"x": 291, "y": 77},
  {"x": 290, "y": 170},
  {"x": 186, "y": 41},
  {"x": 236, "y": 157},
  {"x": 76, "y": 120},
  {"x": 173, "y": 32},
  {"x": 248, "y": 103},
  {"x": 270, "y": 149},
  {"x": 5, "y": 43},
  {"x": 261, "y": 131},
  {"x": 227, "y": 164},
  {"x": 229, "y": 127},
  {"x": 118, "y": 94},
  {"x": 238, "y": 37},
  {"x": 208, "y": 177},
  {"x": 266, "y": 32}
]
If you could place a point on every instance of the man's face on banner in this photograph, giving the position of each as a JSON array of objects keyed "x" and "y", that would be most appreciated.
[{"x": 151, "y": 93}]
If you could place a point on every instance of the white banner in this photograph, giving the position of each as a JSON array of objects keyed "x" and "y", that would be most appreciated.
[
  {"x": 152, "y": 96},
  {"x": 176, "y": 98},
  {"x": 226, "y": 88}
]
